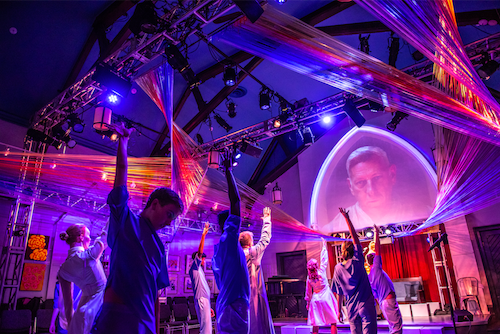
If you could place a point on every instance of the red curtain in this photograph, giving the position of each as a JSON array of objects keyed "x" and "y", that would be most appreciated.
[{"x": 408, "y": 257}]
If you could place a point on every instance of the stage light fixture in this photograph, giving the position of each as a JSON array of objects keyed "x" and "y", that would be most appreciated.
[
  {"x": 369, "y": 233},
  {"x": 417, "y": 56},
  {"x": 352, "y": 111},
  {"x": 230, "y": 77},
  {"x": 235, "y": 163},
  {"x": 231, "y": 109},
  {"x": 277, "y": 123},
  {"x": 19, "y": 233},
  {"x": 237, "y": 155},
  {"x": 389, "y": 230},
  {"x": 393, "y": 50},
  {"x": 277, "y": 195},
  {"x": 307, "y": 136},
  {"x": 75, "y": 123},
  {"x": 489, "y": 67},
  {"x": 251, "y": 149},
  {"x": 113, "y": 137},
  {"x": 144, "y": 18},
  {"x": 222, "y": 122},
  {"x": 281, "y": 1},
  {"x": 326, "y": 119},
  {"x": 113, "y": 99},
  {"x": 178, "y": 62},
  {"x": 396, "y": 119},
  {"x": 363, "y": 44},
  {"x": 375, "y": 106},
  {"x": 265, "y": 99},
  {"x": 199, "y": 139},
  {"x": 105, "y": 75}
]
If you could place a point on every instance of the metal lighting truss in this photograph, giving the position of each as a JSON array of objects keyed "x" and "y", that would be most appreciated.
[
  {"x": 18, "y": 226},
  {"x": 312, "y": 113},
  {"x": 179, "y": 22}
]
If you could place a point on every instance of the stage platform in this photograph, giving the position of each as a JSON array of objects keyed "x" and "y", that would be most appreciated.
[{"x": 413, "y": 325}]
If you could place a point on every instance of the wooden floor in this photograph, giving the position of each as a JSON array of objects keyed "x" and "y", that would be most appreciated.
[{"x": 416, "y": 325}]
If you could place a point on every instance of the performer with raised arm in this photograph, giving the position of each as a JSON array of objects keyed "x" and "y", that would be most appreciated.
[
  {"x": 201, "y": 289},
  {"x": 350, "y": 280},
  {"x": 230, "y": 267},
  {"x": 261, "y": 320},
  {"x": 321, "y": 303},
  {"x": 138, "y": 264},
  {"x": 83, "y": 267},
  {"x": 383, "y": 289}
]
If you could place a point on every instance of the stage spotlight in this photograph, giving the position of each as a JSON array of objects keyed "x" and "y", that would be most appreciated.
[
  {"x": 326, "y": 119},
  {"x": 307, "y": 136},
  {"x": 375, "y": 107},
  {"x": 19, "y": 233},
  {"x": 251, "y": 149},
  {"x": 363, "y": 44},
  {"x": 178, "y": 62},
  {"x": 352, "y": 111},
  {"x": 104, "y": 74},
  {"x": 389, "y": 230},
  {"x": 237, "y": 155},
  {"x": 199, "y": 139},
  {"x": 277, "y": 123},
  {"x": 71, "y": 143},
  {"x": 489, "y": 67},
  {"x": 398, "y": 117},
  {"x": 144, "y": 18},
  {"x": 222, "y": 123},
  {"x": 284, "y": 105},
  {"x": 265, "y": 99},
  {"x": 251, "y": 8},
  {"x": 75, "y": 123},
  {"x": 235, "y": 163},
  {"x": 113, "y": 99},
  {"x": 281, "y": 1},
  {"x": 369, "y": 233},
  {"x": 230, "y": 77},
  {"x": 231, "y": 109}
]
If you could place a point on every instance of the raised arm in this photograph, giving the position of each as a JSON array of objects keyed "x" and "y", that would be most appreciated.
[
  {"x": 67, "y": 292},
  {"x": 121, "y": 155},
  {"x": 265, "y": 233},
  {"x": 324, "y": 256},
  {"x": 376, "y": 231},
  {"x": 352, "y": 231},
  {"x": 202, "y": 241},
  {"x": 232, "y": 189}
]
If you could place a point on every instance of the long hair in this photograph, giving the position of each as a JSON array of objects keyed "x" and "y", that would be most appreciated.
[
  {"x": 312, "y": 269},
  {"x": 73, "y": 233}
]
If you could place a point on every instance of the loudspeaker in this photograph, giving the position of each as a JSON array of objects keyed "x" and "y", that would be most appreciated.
[{"x": 463, "y": 315}]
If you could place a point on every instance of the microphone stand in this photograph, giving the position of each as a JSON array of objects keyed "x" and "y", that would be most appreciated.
[{"x": 437, "y": 243}]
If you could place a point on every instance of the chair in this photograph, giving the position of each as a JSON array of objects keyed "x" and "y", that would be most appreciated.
[
  {"x": 193, "y": 323},
  {"x": 469, "y": 296},
  {"x": 190, "y": 299},
  {"x": 165, "y": 316},
  {"x": 180, "y": 300},
  {"x": 180, "y": 313},
  {"x": 42, "y": 321},
  {"x": 48, "y": 304},
  {"x": 16, "y": 321}
]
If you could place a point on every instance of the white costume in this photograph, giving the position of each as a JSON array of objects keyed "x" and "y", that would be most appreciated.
[
  {"x": 260, "y": 316},
  {"x": 323, "y": 307},
  {"x": 84, "y": 268}
]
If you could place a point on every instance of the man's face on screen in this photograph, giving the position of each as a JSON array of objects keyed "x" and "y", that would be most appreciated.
[{"x": 371, "y": 182}]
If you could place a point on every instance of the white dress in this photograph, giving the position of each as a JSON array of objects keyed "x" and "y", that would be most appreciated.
[
  {"x": 323, "y": 307},
  {"x": 84, "y": 268}
]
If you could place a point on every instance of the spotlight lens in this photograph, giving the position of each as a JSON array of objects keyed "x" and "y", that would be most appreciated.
[
  {"x": 388, "y": 231},
  {"x": 235, "y": 163},
  {"x": 237, "y": 156},
  {"x": 78, "y": 127},
  {"x": 327, "y": 119},
  {"x": 369, "y": 234},
  {"x": 71, "y": 143},
  {"x": 230, "y": 82},
  {"x": 277, "y": 123},
  {"x": 113, "y": 98}
]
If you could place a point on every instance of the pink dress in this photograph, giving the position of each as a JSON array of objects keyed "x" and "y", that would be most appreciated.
[{"x": 322, "y": 303}]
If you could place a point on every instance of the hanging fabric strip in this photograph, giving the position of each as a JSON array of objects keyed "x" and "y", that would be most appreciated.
[{"x": 293, "y": 44}]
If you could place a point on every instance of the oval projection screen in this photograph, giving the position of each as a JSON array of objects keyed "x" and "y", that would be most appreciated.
[{"x": 378, "y": 176}]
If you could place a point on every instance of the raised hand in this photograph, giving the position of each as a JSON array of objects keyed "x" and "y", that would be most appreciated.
[
  {"x": 344, "y": 212},
  {"x": 266, "y": 214},
  {"x": 121, "y": 130},
  {"x": 206, "y": 228}
]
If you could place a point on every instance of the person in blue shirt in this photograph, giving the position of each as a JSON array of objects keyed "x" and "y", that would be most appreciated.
[
  {"x": 59, "y": 324},
  {"x": 201, "y": 289},
  {"x": 383, "y": 289},
  {"x": 230, "y": 267},
  {"x": 350, "y": 280},
  {"x": 138, "y": 265}
]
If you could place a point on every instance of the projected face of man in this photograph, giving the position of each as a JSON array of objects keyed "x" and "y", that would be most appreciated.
[{"x": 371, "y": 179}]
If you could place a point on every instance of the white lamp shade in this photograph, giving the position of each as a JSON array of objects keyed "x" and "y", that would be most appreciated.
[
  {"x": 102, "y": 118},
  {"x": 277, "y": 196},
  {"x": 213, "y": 159}
]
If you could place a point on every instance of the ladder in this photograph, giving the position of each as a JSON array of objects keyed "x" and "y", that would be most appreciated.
[{"x": 441, "y": 263}]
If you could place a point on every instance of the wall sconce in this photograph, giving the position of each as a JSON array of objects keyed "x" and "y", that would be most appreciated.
[{"x": 277, "y": 195}]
